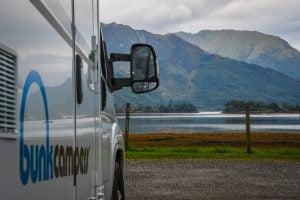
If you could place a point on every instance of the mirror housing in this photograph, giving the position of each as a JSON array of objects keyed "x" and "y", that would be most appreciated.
[{"x": 144, "y": 69}]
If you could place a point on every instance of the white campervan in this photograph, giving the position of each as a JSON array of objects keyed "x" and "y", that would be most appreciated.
[{"x": 59, "y": 135}]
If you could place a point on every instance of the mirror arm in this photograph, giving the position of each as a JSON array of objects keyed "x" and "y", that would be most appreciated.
[
  {"x": 114, "y": 57},
  {"x": 119, "y": 83}
]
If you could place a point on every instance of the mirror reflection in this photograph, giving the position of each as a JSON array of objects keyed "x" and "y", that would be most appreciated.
[{"x": 143, "y": 64}]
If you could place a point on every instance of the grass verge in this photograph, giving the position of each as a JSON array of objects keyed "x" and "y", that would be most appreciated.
[{"x": 212, "y": 152}]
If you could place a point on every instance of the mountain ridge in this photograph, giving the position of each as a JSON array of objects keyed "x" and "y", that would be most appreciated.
[
  {"x": 180, "y": 59},
  {"x": 249, "y": 46}
]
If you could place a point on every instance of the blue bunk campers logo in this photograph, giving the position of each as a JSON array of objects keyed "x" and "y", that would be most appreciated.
[{"x": 44, "y": 162}]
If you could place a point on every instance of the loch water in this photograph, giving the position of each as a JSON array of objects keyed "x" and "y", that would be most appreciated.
[{"x": 203, "y": 122}]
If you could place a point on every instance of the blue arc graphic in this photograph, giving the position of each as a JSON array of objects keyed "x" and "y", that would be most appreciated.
[{"x": 33, "y": 77}]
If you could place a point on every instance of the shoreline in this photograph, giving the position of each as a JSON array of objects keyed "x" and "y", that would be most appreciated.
[{"x": 206, "y": 112}]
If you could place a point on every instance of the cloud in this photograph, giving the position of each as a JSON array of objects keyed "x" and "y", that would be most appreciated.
[
  {"x": 280, "y": 18},
  {"x": 157, "y": 15}
]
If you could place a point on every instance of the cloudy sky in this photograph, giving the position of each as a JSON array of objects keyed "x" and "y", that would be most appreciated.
[{"x": 276, "y": 17}]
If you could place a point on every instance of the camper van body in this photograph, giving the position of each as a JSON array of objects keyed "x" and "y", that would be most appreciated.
[{"x": 59, "y": 135}]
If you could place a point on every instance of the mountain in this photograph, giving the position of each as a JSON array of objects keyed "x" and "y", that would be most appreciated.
[
  {"x": 249, "y": 46},
  {"x": 191, "y": 74},
  {"x": 187, "y": 74}
]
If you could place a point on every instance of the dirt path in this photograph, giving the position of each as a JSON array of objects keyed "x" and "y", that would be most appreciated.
[{"x": 212, "y": 179}]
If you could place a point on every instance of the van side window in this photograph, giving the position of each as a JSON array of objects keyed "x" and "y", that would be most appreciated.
[
  {"x": 106, "y": 71},
  {"x": 103, "y": 63}
]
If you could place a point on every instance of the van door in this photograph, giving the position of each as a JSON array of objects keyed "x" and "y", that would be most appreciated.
[
  {"x": 36, "y": 58},
  {"x": 86, "y": 80},
  {"x": 108, "y": 124}
]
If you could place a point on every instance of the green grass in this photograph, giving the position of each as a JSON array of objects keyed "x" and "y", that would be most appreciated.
[{"x": 212, "y": 152}]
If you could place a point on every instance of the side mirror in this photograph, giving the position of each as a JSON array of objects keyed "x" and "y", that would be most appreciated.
[{"x": 143, "y": 68}]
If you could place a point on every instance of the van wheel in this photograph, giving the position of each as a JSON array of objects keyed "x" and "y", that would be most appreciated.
[{"x": 118, "y": 185}]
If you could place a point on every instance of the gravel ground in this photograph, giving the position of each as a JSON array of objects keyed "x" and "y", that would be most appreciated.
[{"x": 212, "y": 179}]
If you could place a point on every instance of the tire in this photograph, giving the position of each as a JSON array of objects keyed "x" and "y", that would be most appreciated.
[{"x": 118, "y": 184}]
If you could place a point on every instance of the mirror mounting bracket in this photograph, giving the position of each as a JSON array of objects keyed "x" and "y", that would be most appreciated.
[
  {"x": 114, "y": 57},
  {"x": 119, "y": 83}
]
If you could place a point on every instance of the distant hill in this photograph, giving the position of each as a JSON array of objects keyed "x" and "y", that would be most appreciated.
[
  {"x": 250, "y": 46},
  {"x": 188, "y": 74}
]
